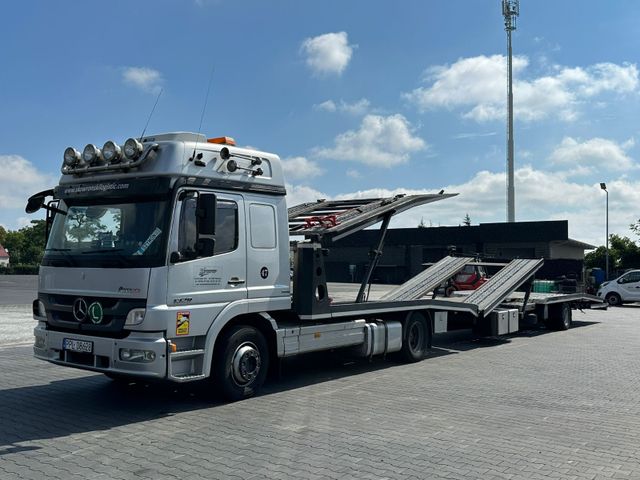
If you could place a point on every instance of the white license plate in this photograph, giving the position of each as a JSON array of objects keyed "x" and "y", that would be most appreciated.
[{"x": 77, "y": 345}]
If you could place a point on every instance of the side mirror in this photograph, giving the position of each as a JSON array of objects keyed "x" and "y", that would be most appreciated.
[
  {"x": 35, "y": 203},
  {"x": 206, "y": 214}
]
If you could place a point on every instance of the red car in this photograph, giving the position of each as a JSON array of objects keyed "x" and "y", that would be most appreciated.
[{"x": 469, "y": 278}]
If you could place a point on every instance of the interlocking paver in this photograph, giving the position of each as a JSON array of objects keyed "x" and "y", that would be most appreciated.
[{"x": 540, "y": 405}]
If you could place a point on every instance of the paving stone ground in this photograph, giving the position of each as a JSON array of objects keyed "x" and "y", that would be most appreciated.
[{"x": 537, "y": 405}]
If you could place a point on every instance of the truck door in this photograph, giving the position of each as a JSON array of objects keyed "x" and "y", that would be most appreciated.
[
  {"x": 218, "y": 278},
  {"x": 630, "y": 286}
]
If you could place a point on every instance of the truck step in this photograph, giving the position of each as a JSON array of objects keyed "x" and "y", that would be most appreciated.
[
  {"x": 187, "y": 354},
  {"x": 187, "y": 378}
]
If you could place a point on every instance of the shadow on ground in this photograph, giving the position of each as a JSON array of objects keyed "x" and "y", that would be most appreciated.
[{"x": 94, "y": 402}]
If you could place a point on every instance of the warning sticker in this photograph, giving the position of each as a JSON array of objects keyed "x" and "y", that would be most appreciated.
[{"x": 182, "y": 323}]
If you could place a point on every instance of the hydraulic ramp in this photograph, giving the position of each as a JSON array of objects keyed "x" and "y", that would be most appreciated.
[
  {"x": 427, "y": 280},
  {"x": 335, "y": 219},
  {"x": 508, "y": 279}
]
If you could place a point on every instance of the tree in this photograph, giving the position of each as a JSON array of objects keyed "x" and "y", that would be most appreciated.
[
  {"x": 623, "y": 254},
  {"x": 26, "y": 246},
  {"x": 3, "y": 234},
  {"x": 467, "y": 220}
]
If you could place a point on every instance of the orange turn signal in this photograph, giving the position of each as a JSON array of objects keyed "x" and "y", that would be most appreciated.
[{"x": 222, "y": 140}]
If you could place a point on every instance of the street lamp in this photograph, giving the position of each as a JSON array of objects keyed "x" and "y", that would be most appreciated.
[{"x": 603, "y": 186}]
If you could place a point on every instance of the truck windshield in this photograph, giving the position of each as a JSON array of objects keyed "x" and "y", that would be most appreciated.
[{"x": 119, "y": 235}]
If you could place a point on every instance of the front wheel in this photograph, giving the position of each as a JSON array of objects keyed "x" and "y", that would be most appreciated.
[
  {"x": 415, "y": 338},
  {"x": 561, "y": 317},
  {"x": 240, "y": 362},
  {"x": 614, "y": 300}
]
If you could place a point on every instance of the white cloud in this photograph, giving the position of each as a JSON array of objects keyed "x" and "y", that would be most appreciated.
[
  {"x": 328, "y": 54},
  {"x": 19, "y": 180},
  {"x": 477, "y": 86},
  {"x": 595, "y": 152},
  {"x": 359, "y": 107},
  {"x": 146, "y": 79},
  {"x": 300, "y": 167},
  {"x": 540, "y": 195},
  {"x": 355, "y": 174},
  {"x": 328, "y": 106},
  {"x": 297, "y": 194},
  {"x": 380, "y": 141}
]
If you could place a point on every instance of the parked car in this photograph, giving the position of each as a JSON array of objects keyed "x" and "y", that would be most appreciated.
[{"x": 625, "y": 288}]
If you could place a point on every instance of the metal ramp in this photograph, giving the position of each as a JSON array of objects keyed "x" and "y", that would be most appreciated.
[
  {"x": 493, "y": 292},
  {"x": 335, "y": 219},
  {"x": 427, "y": 280}
]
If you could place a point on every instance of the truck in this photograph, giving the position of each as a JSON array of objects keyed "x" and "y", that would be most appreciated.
[{"x": 168, "y": 258}]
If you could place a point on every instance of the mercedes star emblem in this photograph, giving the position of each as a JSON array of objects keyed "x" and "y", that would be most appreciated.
[{"x": 80, "y": 309}]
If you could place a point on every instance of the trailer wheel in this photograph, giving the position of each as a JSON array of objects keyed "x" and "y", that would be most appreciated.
[
  {"x": 241, "y": 362},
  {"x": 415, "y": 338},
  {"x": 613, "y": 299},
  {"x": 561, "y": 317}
]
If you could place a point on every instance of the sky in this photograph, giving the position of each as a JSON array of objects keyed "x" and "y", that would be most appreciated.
[{"x": 360, "y": 98}]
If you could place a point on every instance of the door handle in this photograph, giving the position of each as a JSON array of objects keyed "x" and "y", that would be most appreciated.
[{"x": 235, "y": 281}]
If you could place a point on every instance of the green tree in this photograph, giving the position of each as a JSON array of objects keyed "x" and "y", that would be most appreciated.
[
  {"x": 3, "y": 234},
  {"x": 624, "y": 253},
  {"x": 467, "y": 220}
]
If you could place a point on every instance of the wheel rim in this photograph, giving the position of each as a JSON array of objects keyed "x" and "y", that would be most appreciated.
[
  {"x": 245, "y": 364},
  {"x": 566, "y": 317},
  {"x": 613, "y": 300},
  {"x": 416, "y": 337}
]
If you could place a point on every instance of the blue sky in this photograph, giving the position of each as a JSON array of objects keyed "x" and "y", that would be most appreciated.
[{"x": 359, "y": 98}]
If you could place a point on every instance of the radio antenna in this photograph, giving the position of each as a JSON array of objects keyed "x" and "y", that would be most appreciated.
[
  {"x": 151, "y": 114},
  {"x": 204, "y": 108}
]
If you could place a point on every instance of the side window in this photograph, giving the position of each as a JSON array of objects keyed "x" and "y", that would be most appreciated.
[
  {"x": 263, "y": 226},
  {"x": 187, "y": 231},
  {"x": 226, "y": 226},
  {"x": 632, "y": 277}
]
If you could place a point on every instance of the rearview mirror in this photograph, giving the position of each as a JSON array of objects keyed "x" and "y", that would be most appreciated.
[{"x": 35, "y": 203}]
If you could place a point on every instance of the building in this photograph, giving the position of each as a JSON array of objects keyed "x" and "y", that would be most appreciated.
[
  {"x": 4, "y": 257},
  {"x": 406, "y": 250}
]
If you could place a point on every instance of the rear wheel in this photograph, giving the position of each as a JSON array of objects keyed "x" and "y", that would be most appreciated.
[
  {"x": 240, "y": 362},
  {"x": 614, "y": 299},
  {"x": 415, "y": 338},
  {"x": 561, "y": 317}
]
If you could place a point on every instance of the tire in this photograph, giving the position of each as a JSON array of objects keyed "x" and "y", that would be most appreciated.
[
  {"x": 240, "y": 362},
  {"x": 449, "y": 291},
  {"x": 415, "y": 338},
  {"x": 561, "y": 317},
  {"x": 613, "y": 299}
]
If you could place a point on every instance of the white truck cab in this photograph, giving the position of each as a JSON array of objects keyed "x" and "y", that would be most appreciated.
[{"x": 625, "y": 288}]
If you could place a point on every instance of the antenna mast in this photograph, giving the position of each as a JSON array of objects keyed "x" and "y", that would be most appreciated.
[{"x": 510, "y": 10}]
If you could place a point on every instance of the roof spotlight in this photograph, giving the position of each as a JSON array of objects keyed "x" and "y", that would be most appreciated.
[
  {"x": 132, "y": 149},
  {"x": 71, "y": 156},
  {"x": 111, "y": 152},
  {"x": 92, "y": 154}
]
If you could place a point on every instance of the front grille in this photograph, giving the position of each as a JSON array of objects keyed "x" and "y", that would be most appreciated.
[{"x": 114, "y": 313}]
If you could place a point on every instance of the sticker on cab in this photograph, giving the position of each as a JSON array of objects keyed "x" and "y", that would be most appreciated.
[{"x": 182, "y": 323}]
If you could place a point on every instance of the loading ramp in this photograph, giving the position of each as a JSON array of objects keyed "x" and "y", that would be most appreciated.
[
  {"x": 428, "y": 280},
  {"x": 502, "y": 284}
]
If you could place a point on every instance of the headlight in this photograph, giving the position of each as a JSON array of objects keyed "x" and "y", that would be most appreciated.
[
  {"x": 135, "y": 316},
  {"x": 132, "y": 149},
  {"x": 135, "y": 355},
  {"x": 91, "y": 154},
  {"x": 111, "y": 152},
  {"x": 71, "y": 156}
]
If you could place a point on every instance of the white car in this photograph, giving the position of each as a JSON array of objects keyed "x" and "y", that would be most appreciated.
[{"x": 625, "y": 288}]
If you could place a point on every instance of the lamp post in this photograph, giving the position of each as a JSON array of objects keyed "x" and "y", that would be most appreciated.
[{"x": 603, "y": 186}]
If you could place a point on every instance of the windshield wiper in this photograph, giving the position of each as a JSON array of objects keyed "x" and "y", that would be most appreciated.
[{"x": 104, "y": 250}]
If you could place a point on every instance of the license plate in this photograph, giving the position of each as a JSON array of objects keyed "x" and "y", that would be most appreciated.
[{"x": 77, "y": 345}]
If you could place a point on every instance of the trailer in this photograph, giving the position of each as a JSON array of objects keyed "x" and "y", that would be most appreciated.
[{"x": 167, "y": 258}]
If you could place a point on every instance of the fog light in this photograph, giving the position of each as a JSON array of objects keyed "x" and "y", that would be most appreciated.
[
  {"x": 39, "y": 342},
  {"x": 135, "y": 355},
  {"x": 38, "y": 309},
  {"x": 71, "y": 157},
  {"x": 92, "y": 154},
  {"x": 111, "y": 152},
  {"x": 132, "y": 148},
  {"x": 135, "y": 316}
]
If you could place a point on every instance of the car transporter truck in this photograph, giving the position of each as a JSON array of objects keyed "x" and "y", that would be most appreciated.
[{"x": 169, "y": 258}]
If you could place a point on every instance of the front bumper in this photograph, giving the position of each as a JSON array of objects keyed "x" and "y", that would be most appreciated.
[{"x": 105, "y": 356}]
